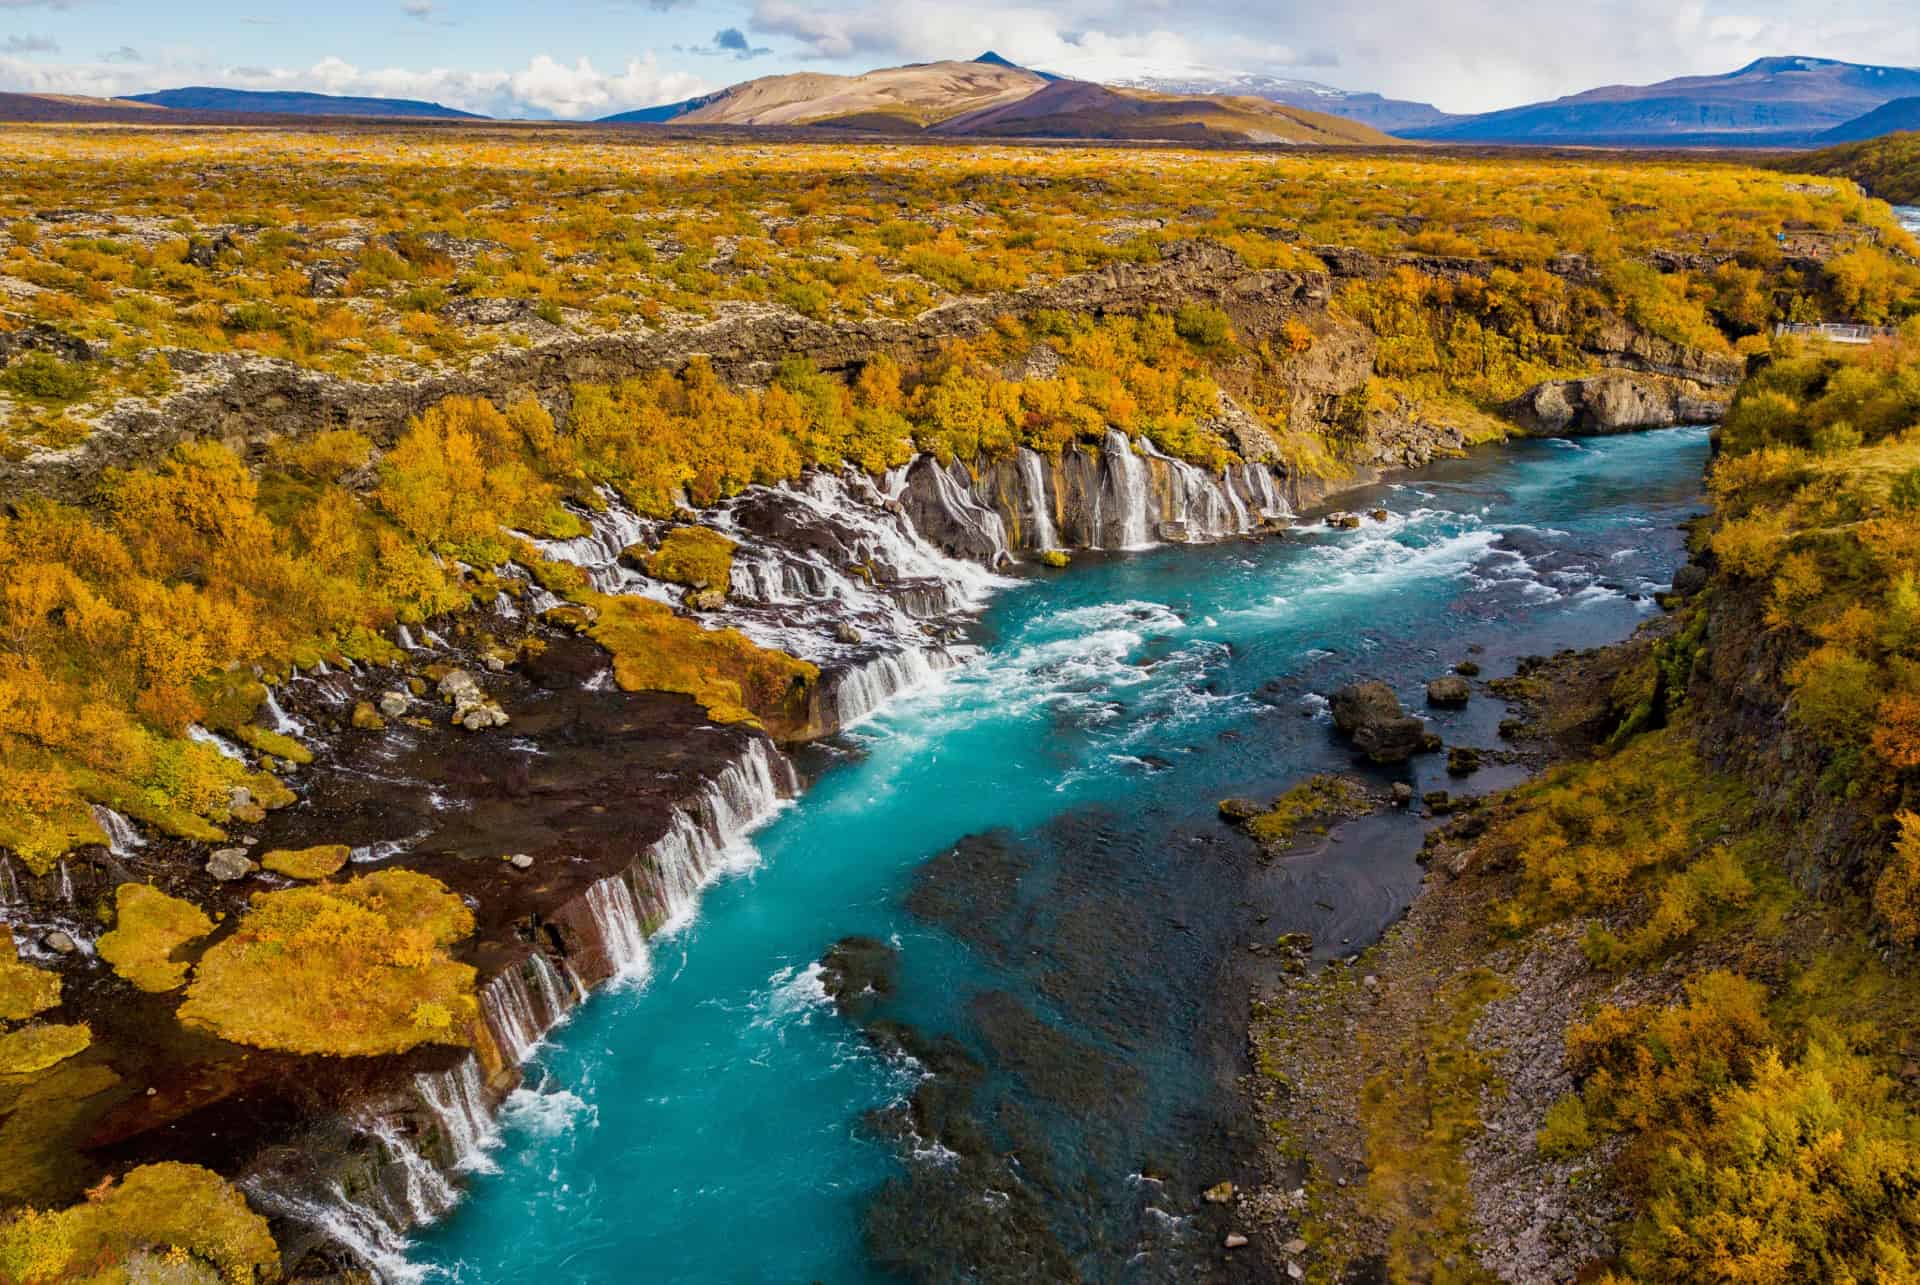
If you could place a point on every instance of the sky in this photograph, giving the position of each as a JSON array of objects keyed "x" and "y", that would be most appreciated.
[{"x": 573, "y": 59}]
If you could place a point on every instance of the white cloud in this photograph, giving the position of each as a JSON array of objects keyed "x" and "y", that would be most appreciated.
[{"x": 544, "y": 88}]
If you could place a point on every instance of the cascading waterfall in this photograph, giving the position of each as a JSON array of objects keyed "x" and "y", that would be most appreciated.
[
  {"x": 368, "y": 1230},
  {"x": 1126, "y": 475},
  {"x": 617, "y": 917},
  {"x": 857, "y": 693},
  {"x": 694, "y": 849},
  {"x": 122, "y": 838},
  {"x": 1033, "y": 472},
  {"x": 279, "y": 720},
  {"x": 458, "y": 1101},
  {"x": 213, "y": 741},
  {"x": 518, "y": 1023},
  {"x": 66, "y": 885},
  {"x": 8, "y": 881}
]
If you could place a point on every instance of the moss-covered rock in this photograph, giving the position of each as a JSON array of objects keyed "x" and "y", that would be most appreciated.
[
  {"x": 354, "y": 969},
  {"x": 25, "y": 991},
  {"x": 696, "y": 557},
  {"x": 149, "y": 926},
  {"x": 733, "y": 678},
  {"x": 317, "y": 862},
  {"x": 367, "y": 718},
  {"x": 33, "y": 1049}
]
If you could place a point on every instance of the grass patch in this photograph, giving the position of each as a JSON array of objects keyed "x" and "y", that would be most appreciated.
[
  {"x": 1313, "y": 802},
  {"x": 1418, "y": 1120}
]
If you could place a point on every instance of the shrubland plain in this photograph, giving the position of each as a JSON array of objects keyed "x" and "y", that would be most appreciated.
[{"x": 146, "y": 602}]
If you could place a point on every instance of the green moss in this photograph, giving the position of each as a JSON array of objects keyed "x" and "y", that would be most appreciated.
[
  {"x": 1318, "y": 798},
  {"x": 33, "y": 1049},
  {"x": 318, "y": 862},
  {"x": 1055, "y": 558},
  {"x": 149, "y": 926},
  {"x": 172, "y": 1215},
  {"x": 694, "y": 556},
  {"x": 353, "y": 969},
  {"x": 274, "y": 743},
  {"x": 25, "y": 991}
]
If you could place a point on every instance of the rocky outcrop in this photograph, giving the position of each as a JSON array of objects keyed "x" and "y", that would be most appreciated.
[
  {"x": 250, "y": 401},
  {"x": 1616, "y": 402},
  {"x": 1369, "y": 715}
]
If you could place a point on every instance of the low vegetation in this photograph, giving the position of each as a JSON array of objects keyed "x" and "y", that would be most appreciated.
[
  {"x": 25, "y": 991},
  {"x": 352, "y": 969},
  {"x": 148, "y": 928},
  {"x": 319, "y": 862},
  {"x": 1888, "y": 166},
  {"x": 161, "y": 1222}
]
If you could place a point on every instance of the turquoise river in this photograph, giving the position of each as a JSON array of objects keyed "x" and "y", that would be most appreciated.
[{"x": 1037, "y": 837}]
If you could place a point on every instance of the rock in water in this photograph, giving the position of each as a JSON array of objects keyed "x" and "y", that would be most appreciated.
[
  {"x": 1462, "y": 760},
  {"x": 1369, "y": 714},
  {"x": 858, "y": 972},
  {"x": 1449, "y": 692},
  {"x": 1240, "y": 809}
]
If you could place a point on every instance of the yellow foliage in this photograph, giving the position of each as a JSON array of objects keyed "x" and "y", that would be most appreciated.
[
  {"x": 732, "y": 678},
  {"x": 180, "y": 1212},
  {"x": 33, "y": 1049},
  {"x": 339, "y": 969}
]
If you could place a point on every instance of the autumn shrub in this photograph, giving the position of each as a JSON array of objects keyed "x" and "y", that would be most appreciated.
[
  {"x": 148, "y": 928},
  {"x": 44, "y": 377},
  {"x": 734, "y": 679},
  {"x": 353, "y": 969},
  {"x": 159, "y": 1222}
]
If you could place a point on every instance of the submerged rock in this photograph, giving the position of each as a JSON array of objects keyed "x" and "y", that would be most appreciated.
[{"x": 1369, "y": 714}]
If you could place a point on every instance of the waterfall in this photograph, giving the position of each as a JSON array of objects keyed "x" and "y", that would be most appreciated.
[
  {"x": 517, "y": 1022},
  {"x": 1033, "y": 473},
  {"x": 1126, "y": 475},
  {"x": 425, "y": 1188},
  {"x": 66, "y": 884},
  {"x": 279, "y": 720},
  {"x": 361, "y": 1229},
  {"x": 122, "y": 838},
  {"x": 693, "y": 851},
  {"x": 11, "y": 883},
  {"x": 432, "y": 639},
  {"x": 617, "y": 916},
  {"x": 458, "y": 1101},
  {"x": 859, "y": 691},
  {"x": 201, "y": 736},
  {"x": 405, "y": 637}
]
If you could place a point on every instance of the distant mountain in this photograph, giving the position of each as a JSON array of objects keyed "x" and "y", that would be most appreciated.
[
  {"x": 1771, "y": 102},
  {"x": 74, "y": 108},
  {"x": 1889, "y": 118},
  {"x": 205, "y": 98},
  {"x": 993, "y": 59},
  {"x": 992, "y": 96},
  {"x": 1081, "y": 109},
  {"x": 1390, "y": 114}
]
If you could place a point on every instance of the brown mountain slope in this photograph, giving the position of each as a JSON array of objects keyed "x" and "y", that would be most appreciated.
[
  {"x": 919, "y": 95},
  {"x": 1081, "y": 109}
]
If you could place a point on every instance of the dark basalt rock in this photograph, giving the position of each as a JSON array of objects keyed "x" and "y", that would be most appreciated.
[
  {"x": 1369, "y": 715},
  {"x": 859, "y": 972},
  {"x": 1449, "y": 692}
]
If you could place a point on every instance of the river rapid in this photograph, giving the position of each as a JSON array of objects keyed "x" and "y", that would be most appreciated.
[{"x": 1046, "y": 1083}]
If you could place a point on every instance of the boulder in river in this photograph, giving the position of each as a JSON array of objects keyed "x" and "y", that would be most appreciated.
[
  {"x": 858, "y": 972},
  {"x": 1369, "y": 714},
  {"x": 229, "y": 864},
  {"x": 1450, "y": 691}
]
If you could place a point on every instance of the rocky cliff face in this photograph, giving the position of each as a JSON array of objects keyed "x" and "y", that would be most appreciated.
[{"x": 1617, "y": 402}]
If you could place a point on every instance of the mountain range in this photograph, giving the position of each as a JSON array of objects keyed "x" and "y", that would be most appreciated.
[
  {"x": 1779, "y": 102},
  {"x": 1772, "y": 102}
]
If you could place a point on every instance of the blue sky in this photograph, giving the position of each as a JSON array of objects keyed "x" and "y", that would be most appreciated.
[{"x": 585, "y": 58}]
